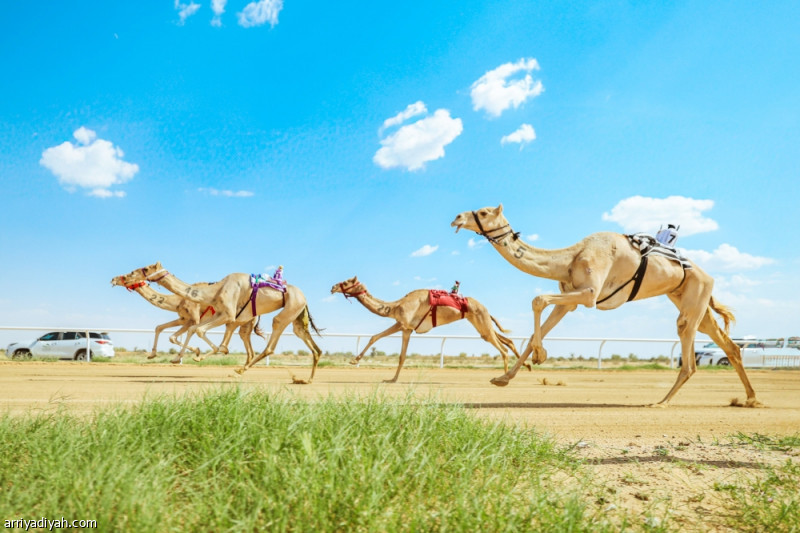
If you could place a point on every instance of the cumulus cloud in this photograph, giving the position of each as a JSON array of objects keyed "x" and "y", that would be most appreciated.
[
  {"x": 473, "y": 243},
  {"x": 413, "y": 110},
  {"x": 260, "y": 12},
  {"x": 533, "y": 237},
  {"x": 643, "y": 214},
  {"x": 229, "y": 194},
  {"x": 91, "y": 163},
  {"x": 186, "y": 10},
  {"x": 218, "y": 7},
  {"x": 522, "y": 136},
  {"x": 414, "y": 144},
  {"x": 425, "y": 250},
  {"x": 727, "y": 258},
  {"x": 499, "y": 89}
]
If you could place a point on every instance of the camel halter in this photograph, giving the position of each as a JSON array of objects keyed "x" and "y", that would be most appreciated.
[
  {"x": 150, "y": 277},
  {"x": 494, "y": 239},
  {"x": 348, "y": 295}
]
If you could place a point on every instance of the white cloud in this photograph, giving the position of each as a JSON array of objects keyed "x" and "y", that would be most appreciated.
[
  {"x": 186, "y": 10},
  {"x": 260, "y": 12},
  {"x": 91, "y": 163},
  {"x": 522, "y": 136},
  {"x": 642, "y": 214},
  {"x": 533, "y": 237},
  {"x": 425, "y": 250},
  {"x": 497, "y": 90},
  {"x": 413, "y": 110},
  {"x": 727, "y": 258},
  {"x": 473, "y": 243},
  {"x": 218, "y": 7},
  {"x": 229, "y": 194},
  {"x": 419, "y": 142}
]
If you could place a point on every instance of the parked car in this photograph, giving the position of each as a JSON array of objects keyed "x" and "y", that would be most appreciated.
[
  {"x": 756, "y": 352},
  {"x": 63, "y": 345}
]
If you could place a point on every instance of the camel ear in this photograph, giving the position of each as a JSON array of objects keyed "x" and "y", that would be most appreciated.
[
  {"x": 499, "y": 209},
  {"x": 158, "y": 265}
]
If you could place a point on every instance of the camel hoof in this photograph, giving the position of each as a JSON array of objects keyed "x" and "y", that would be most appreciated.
[
  {"x": 240, "y": 371},
  {"x": 176, "y": 361},
  {"x": 661, "y": 405},
  {"x": 353, "y": 361},
  {"x": 750, "y": 402},
  {"x": 223, "y": 350},
  {"x": 152, "y": 355},
  {"x": 539, "y": 355},
  {"x": 390, "y": 380},
  {"x": 198, "y": 358},
  {"x": 500, "y": 382},
  {"x": 298, "y": 381},
  {"x": 528, "y": 366}
]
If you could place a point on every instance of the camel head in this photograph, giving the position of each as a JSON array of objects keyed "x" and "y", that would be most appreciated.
[
  {"x": 349, "y": 287},
  {"x": 138, "y": 274},
  {"x": 117, "y": 281},
  {"x": 482, "y": 221}
]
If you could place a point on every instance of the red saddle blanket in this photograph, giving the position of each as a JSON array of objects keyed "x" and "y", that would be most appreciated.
[{"x": 456, "y": 301}]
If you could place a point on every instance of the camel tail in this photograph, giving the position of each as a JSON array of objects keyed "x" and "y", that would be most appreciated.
[
  {"x": 501, "y": 328},
  {"x": 257, "y": 329},
  {"x": 308, "y": 320},
  {"x": 725, "y": 312}
]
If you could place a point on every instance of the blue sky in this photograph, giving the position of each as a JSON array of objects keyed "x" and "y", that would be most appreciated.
[{"x": 341, "y": 138}]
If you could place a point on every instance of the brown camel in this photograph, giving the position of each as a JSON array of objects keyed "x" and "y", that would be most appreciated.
[
  {"x": 189, "y": 314},
  {"x": 413, "y": 312},
  {"x": 603, "y": 271},
  {"x": 231, "y": 299}
]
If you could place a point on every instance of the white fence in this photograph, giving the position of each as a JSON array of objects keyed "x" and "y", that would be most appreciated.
[{"x": 600, "y": 342}]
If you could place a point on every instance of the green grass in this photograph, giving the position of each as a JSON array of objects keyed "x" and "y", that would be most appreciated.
[{"x": 236, "y": 461}]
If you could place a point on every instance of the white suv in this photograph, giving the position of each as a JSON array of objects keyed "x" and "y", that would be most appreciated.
[
  {"x": 756, "y": 352},
  {"x": 63, "y": 345}
]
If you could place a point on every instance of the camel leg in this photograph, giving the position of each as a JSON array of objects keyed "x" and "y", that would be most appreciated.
[
  {"x": 301, "y": 331},
  {"x": 535, "y": 343},
  {"x": 201, "y": 328},
  {"x": 245, "y": 332},
  {"x": 710, "y": 327},
  {"x": 279, "y": 323},
  {"x": 375, "y": 338},
  {"x": 159, "y": 329},
  {"x": 403, "y": 349},
  {"x": 175, "y": 337},
  {"x": 483, "y": 325},
  {"x": 692, "y": 303}
]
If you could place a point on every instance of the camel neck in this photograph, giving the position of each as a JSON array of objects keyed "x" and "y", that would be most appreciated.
[
  {"x": 375, "y": 305},
  {"x": 549, "y": 264},
  {"x": 168, "y": 302},
  {"x": 202, "y": 295}
]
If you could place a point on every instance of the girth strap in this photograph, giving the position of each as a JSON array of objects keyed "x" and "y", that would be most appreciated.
[{"x": 636, "y": 279}]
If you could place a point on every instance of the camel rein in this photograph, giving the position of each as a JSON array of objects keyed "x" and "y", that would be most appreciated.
[
  {"x": 135, "y": 286},
  {"x": 494, "y": 239}
]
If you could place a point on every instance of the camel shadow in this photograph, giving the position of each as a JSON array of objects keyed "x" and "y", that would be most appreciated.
[
  {"x": 633, "y": 459},
  {"x": 539, "y": 405}
]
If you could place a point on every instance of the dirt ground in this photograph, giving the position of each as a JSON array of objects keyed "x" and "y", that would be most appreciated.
[{"x": 658, "y": 462}]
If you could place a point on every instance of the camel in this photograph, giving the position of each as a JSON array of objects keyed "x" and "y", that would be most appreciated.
[
  {"x": 189, "y": 314},
  {"x": 234, "y": 302},
  {"x": 603, "y": 271},
  {"x": 413, "y": 312}
]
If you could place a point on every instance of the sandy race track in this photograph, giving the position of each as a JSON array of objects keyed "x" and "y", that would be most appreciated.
[
  {"x": 596, "y": 404},
  {"x": 665, "y": 460}
]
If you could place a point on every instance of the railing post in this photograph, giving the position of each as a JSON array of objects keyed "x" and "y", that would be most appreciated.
[
  {"x": 88, "y": 348},
  {"x": 358, "y": 345},
  {"x": 600, "y": 355},
  {"x": 441, "y": 353}
]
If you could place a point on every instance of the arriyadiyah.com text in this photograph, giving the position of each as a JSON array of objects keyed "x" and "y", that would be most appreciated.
[{"x": 49, "y": 525}]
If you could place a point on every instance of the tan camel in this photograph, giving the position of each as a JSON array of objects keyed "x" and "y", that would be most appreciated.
[
  {"x": 189, "y": 314},
  {"x": 603, "y": 271},
  {"x": 413, "y": 312},
  {"x": 231, "y": 299}
]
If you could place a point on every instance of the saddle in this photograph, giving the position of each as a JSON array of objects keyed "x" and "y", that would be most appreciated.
[
  {"x": 259, "y": 281},
  {"x": 439, "y": 297},
  {"x": 648, "y": 245}
]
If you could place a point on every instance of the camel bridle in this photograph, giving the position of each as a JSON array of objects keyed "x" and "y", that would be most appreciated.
[
  {"x": 150, "y": 277},
  {"x": 355, "y": 285},
  {"x": 496, "y": 238},
  {"x": 136, "y": 285}
]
